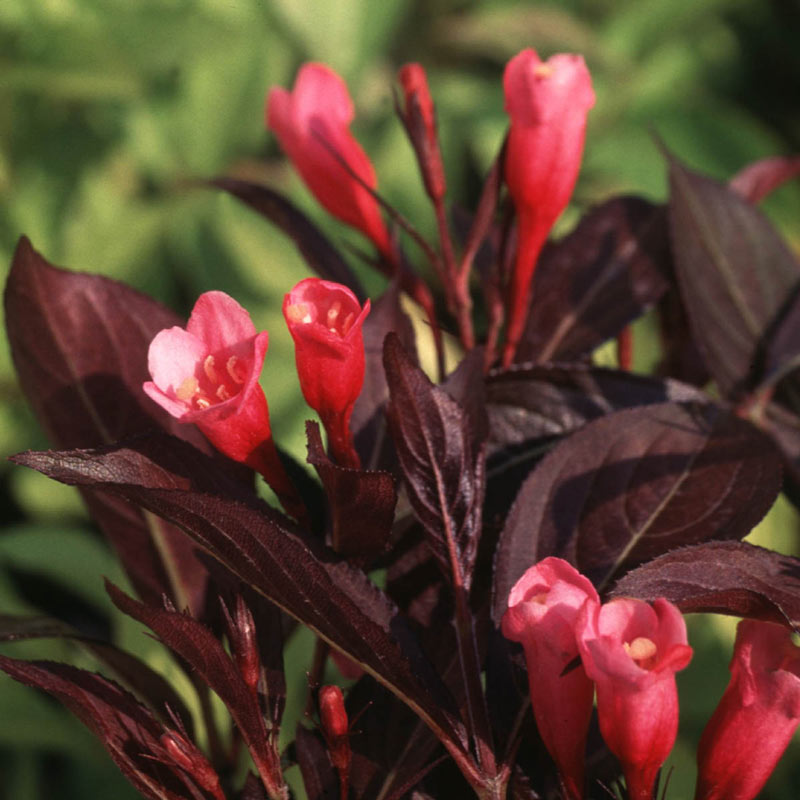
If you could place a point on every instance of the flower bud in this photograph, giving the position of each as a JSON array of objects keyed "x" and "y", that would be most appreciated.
[
  {"x": 184, "y": 754},
  {"x": 312, "y": 125},
  {"x": 542, "y": 610},
  {"x": 756, "y": 717},
  {"x": 335, "y": 727},
  {"x": 632, "y": 651},
  {"x": 548, "y": 103},
  {"x": 419, "y": 119},
  {"x": 325, "y": 321}
]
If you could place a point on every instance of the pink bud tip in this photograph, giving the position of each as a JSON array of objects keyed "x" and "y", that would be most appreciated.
[{"x": 312, "y": 124}]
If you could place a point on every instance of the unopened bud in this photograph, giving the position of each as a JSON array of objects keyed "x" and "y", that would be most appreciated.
[
  {"x": 186, "y": 756},
  {"x": 419, "y": 119},
  {"x": 335, "y": 725}
]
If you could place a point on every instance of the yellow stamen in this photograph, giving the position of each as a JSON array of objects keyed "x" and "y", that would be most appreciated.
[
  {"x": 333, "y": 313},
  {"x": 187, "y": 390},
  {"x": 542, "y": 71},
  {"x": 348, "y": 323},
  {"x": 222, "y": 392},
  {"x": 641, "y": 648},
  {"x": 202, "y": 402},
  {"x": 235, "y": 370},
  {"x": 299, "y": 312},
  {"x": 210, "y": 369}
]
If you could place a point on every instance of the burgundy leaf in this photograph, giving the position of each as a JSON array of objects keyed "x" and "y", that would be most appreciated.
[
  {"x": 441, "y": 454},
  {"x": 127, "y": 729},
  {"x": 79, "y": 343},
  {"x": 755, "y": 181},
  {"x": 734, "y": 272},
  {"x": 596, "y": 280},
  {"x": 198, "y": 646},
  {"x": 265, "y": 551},
  {"x": 783, "y": 346},
  {"x": 634, "y": 484},
  {"x": 734, "y": 578},
  {"x": 253, "y": 789},
  {"x": 315, "y": 248},
  {"x": 369, "y": 420},
  {"x": 551, "y": 400},
  {"x": 128, "y": 669},
  {"x": 319, "y": 777},
  {"x": 361, "y": 503}
]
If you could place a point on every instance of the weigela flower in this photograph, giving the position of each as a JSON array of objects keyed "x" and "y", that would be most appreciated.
[
  {"x": 632, "y": 651},
  {"x": 208, "y": 375},
  {"x": 419, "y": 119},
  {"x": 756, "y": 717},
  {"x": 312, "y": 123},
  {"x": 548, "y": 103},
  {"x": 543, "y": 608},
  {"x": 325, "y": 321}
]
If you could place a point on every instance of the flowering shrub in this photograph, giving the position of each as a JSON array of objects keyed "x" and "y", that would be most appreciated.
[{"x": 527, "y": 497}]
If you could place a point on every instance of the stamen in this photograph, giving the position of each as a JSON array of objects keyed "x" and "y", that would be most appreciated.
[
  {"x": 202, "y": 402},
  {"x": 235, "y": 370},
  {"x": 223, "y": 393},
  {"x": 540, "y": 598},
  {"x": 542, "y": 71},
  {"x": 333, "y": 313},
  {"x": 641, "y": 648},
  {"x": 299, "y": 312},
  {"x": 348, "y": 323},
  {"x": 210, "y": 369},
  {"x": 187, "y": 390}
]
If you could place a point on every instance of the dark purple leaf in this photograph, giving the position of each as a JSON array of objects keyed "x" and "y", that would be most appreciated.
[
  {"x": 551, "y": 400},
  {"x": 253, "y": 789},
  {"x": 442, "y": 458},
  {"x": 783, "y": 346},
  {"x": 265, "y": 551},
  {"x": 734, "y": 271},
  {"x": 319, "y": 777},
  {"x": 361, "y": 503},
  {"x": 79, "y": 343},
  {"x": 529, "y": 407},
  {"x": 599, "y": 278},
  {"x": 313, "y": 245},
  {"x": 128, "y": 730},
  {"x": 755, "y": 181},
  {"x": 369, "y": 420},
  {"x": 634, "y": 484},
  {"x": 722, "y": 578},
  {"x": 127, "y": 668},
  {"x": 198, "y": 647}
]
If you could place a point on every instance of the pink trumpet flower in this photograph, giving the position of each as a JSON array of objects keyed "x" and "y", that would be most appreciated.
[
  {"x": 208, "y": 375},
  {"x": 312, "y": 123},
  {"x": 632, "y": 651},
  {"x": 325, "y": 321},
  {"x": 548, "y": 102},
  {"x": 542, "y": 610},
  {"x": 756, "y": 717}
]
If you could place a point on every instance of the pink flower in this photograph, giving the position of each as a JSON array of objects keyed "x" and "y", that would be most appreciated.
[
  {"x": 419, "y": 118},
  {"x": 312, "y": 125},
  {"x": 325, "y": 320},
  {"x": 632, "y": 651},
  {"x": 548, "y": 103},
  {"x": 542, "y": 610},
  {"x": 756, "y": 717},
  {"x": 208, "y": 375}
]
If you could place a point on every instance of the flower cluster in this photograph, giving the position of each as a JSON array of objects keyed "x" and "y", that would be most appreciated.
[{"x": 628, "y": 651}]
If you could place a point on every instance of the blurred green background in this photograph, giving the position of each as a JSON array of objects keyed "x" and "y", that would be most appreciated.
[{"x": 110, "y": 112}]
